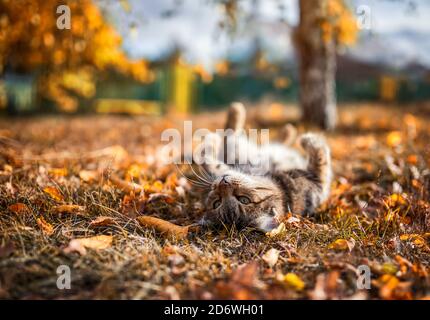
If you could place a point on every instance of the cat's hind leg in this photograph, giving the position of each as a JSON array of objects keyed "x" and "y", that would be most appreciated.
[
  {"x": 319, "y": 161},
  {"x": 288, "y": 135},
  {"x": 236, "y": 116},
  {"x": 233, "y": 129}
]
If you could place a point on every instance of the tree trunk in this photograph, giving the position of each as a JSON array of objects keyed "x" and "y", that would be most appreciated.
[{"x": 317, "y": 58}]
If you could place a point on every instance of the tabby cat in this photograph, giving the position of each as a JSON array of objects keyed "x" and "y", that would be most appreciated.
[{"x": 258, "y": 194}]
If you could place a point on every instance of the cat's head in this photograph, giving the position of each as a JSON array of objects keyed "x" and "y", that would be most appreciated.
[{"x": 243, "y": 200}]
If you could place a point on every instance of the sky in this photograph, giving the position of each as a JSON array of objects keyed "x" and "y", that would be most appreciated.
[{"x": 151, "y": 29}]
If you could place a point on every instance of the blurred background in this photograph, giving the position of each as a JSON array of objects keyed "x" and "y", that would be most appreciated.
[{"x": 182, "y": 56}]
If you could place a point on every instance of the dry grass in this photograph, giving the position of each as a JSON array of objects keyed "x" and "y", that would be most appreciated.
[{"x": 379, "y": 205}]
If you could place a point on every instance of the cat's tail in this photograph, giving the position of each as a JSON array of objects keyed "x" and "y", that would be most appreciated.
[{"x": 319, "y": 161}]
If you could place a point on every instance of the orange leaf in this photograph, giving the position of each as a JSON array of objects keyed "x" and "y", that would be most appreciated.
[
  {"x": 68, "y": 208},
  {"x": 46, "y": 227},
  {"x": 54, "y": 193},
  {"x": 95, "y": 243},
  {"x": 58, "y": 172},
  {"x": 164, "y": 227},
  {"x": 102, "y": 221},
  {"x": 19, "y": 208},
  {"x": 342, "y": 244}
]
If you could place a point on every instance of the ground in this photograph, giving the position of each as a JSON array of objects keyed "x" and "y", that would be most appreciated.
[{"x": 72, "y": 189}]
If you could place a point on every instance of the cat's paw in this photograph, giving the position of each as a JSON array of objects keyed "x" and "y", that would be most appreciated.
[{"x": 312, "y": 142}]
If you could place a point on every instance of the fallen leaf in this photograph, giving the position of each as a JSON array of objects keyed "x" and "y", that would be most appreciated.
[
  {"x": 54, "y": 193},
  {"x": 68, "y": 208},
  {"x": 246, "y": 275},
  {"x": 342, "y": 244},
  {"x": 58, "y": 172},
  {"x": 19, "y": 208},
  {"x": 6, "y": 249},
  {"x": 389, "y": 268},
  {"x": 161, "y": 196},
  {"x": 396, "y": 199},
  {"x": 102, "y": 221},
  {"x": 293, "y": 281},
  {"x": 46, "y": 227},
  {"x": 415, "y": 239},
  {"x": 88, "y": 175},
  {"x": 164, "y": 227},
  {"x": 155, "y": 187},
  {"x": 387, "y": 284},
  {"x": 126, "y": 185},
  {"x": 95, "y": 243},
  {"x": 271, "y": 257},
  {"x": 279, "y": 230},
  {"x": 394, "y": 138},
  {"x": 412, "y": 159}
]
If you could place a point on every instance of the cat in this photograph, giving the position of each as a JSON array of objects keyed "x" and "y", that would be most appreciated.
[{"x": 258, "y": 193}]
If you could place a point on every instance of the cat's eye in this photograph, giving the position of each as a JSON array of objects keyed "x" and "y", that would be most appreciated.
[
  {"x": 216, "y": 204},
  {"x": 244, "y": 200}
]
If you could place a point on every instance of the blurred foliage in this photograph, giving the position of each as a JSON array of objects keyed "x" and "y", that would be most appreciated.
[
  {"x": 339, "y": 24},
  {"x": 66, "y": 61}
]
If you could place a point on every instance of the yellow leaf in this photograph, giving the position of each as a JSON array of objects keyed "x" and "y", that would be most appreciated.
[
  {"x": 279, "y": 230},
  {"x": 416, "y": 239},
  {"x": 88, "y": 175},
  {"x": 292, "y": 280},
  {"x": 95, "y": 243},
  {"x": 46, "y": 227},
  {"x": 58, "y": 172},
  {"x": 394, "y": 138},
  {"x": 54, "y": 193},
  {"x": 157, "y": 186},
  {"x": 342, "y": 244},
  {"x": 396, "y": 199},
  {"x": 389, "y": 268},
  {"x": 271, "y": 257}
]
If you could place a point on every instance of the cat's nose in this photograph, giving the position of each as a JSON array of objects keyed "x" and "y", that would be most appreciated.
[{"x": 224, "y": 181}]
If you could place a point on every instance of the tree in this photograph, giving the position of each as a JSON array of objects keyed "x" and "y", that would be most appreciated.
[
  {"x": 65, "y": 60},
  {"x": 324, "y": 24}
]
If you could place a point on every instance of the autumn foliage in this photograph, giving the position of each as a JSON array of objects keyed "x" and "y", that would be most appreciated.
[
  {"x": 108, "y": 207},
  {"x": 65, "y": 61}
]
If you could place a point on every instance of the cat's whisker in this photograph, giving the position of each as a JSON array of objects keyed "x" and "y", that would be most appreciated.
[
  {"x": 199, "y": 177},
  {"x": 194, "y": 182}
]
